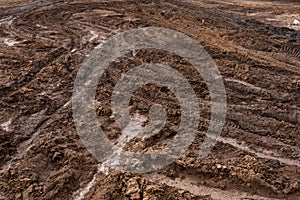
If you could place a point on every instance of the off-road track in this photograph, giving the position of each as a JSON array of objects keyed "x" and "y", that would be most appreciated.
[{"x": 256, "y": 46}]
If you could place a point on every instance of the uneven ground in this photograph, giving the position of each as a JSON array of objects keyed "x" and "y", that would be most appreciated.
[{"x": 256, "y": 47}]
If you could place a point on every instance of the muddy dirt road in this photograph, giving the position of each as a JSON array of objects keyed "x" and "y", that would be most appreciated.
[{"x": 256, "y": 45}]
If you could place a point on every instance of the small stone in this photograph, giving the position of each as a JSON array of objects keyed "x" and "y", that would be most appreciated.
[
  {"x": 296, "y": 22},
  {"x": 218, "y": 166}
]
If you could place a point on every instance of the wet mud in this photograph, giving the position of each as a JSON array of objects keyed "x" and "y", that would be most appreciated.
[{"x": 256, "y": 46}]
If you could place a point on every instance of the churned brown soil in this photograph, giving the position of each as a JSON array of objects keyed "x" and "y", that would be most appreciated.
[{"x": 256, "y": 46}]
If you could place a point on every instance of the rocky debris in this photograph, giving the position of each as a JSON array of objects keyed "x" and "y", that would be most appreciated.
[
  {"x": 118, "y": 185},
  {"x": 139, "y": 188}
]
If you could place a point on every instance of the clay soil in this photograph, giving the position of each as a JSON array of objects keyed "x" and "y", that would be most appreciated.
[{"x": 256, "y": 46}]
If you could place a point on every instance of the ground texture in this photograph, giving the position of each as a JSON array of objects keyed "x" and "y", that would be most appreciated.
[{"x": 256, "y": 45}]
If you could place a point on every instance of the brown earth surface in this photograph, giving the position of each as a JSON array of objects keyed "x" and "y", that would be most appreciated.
[{"x": 255, "y": 44}]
